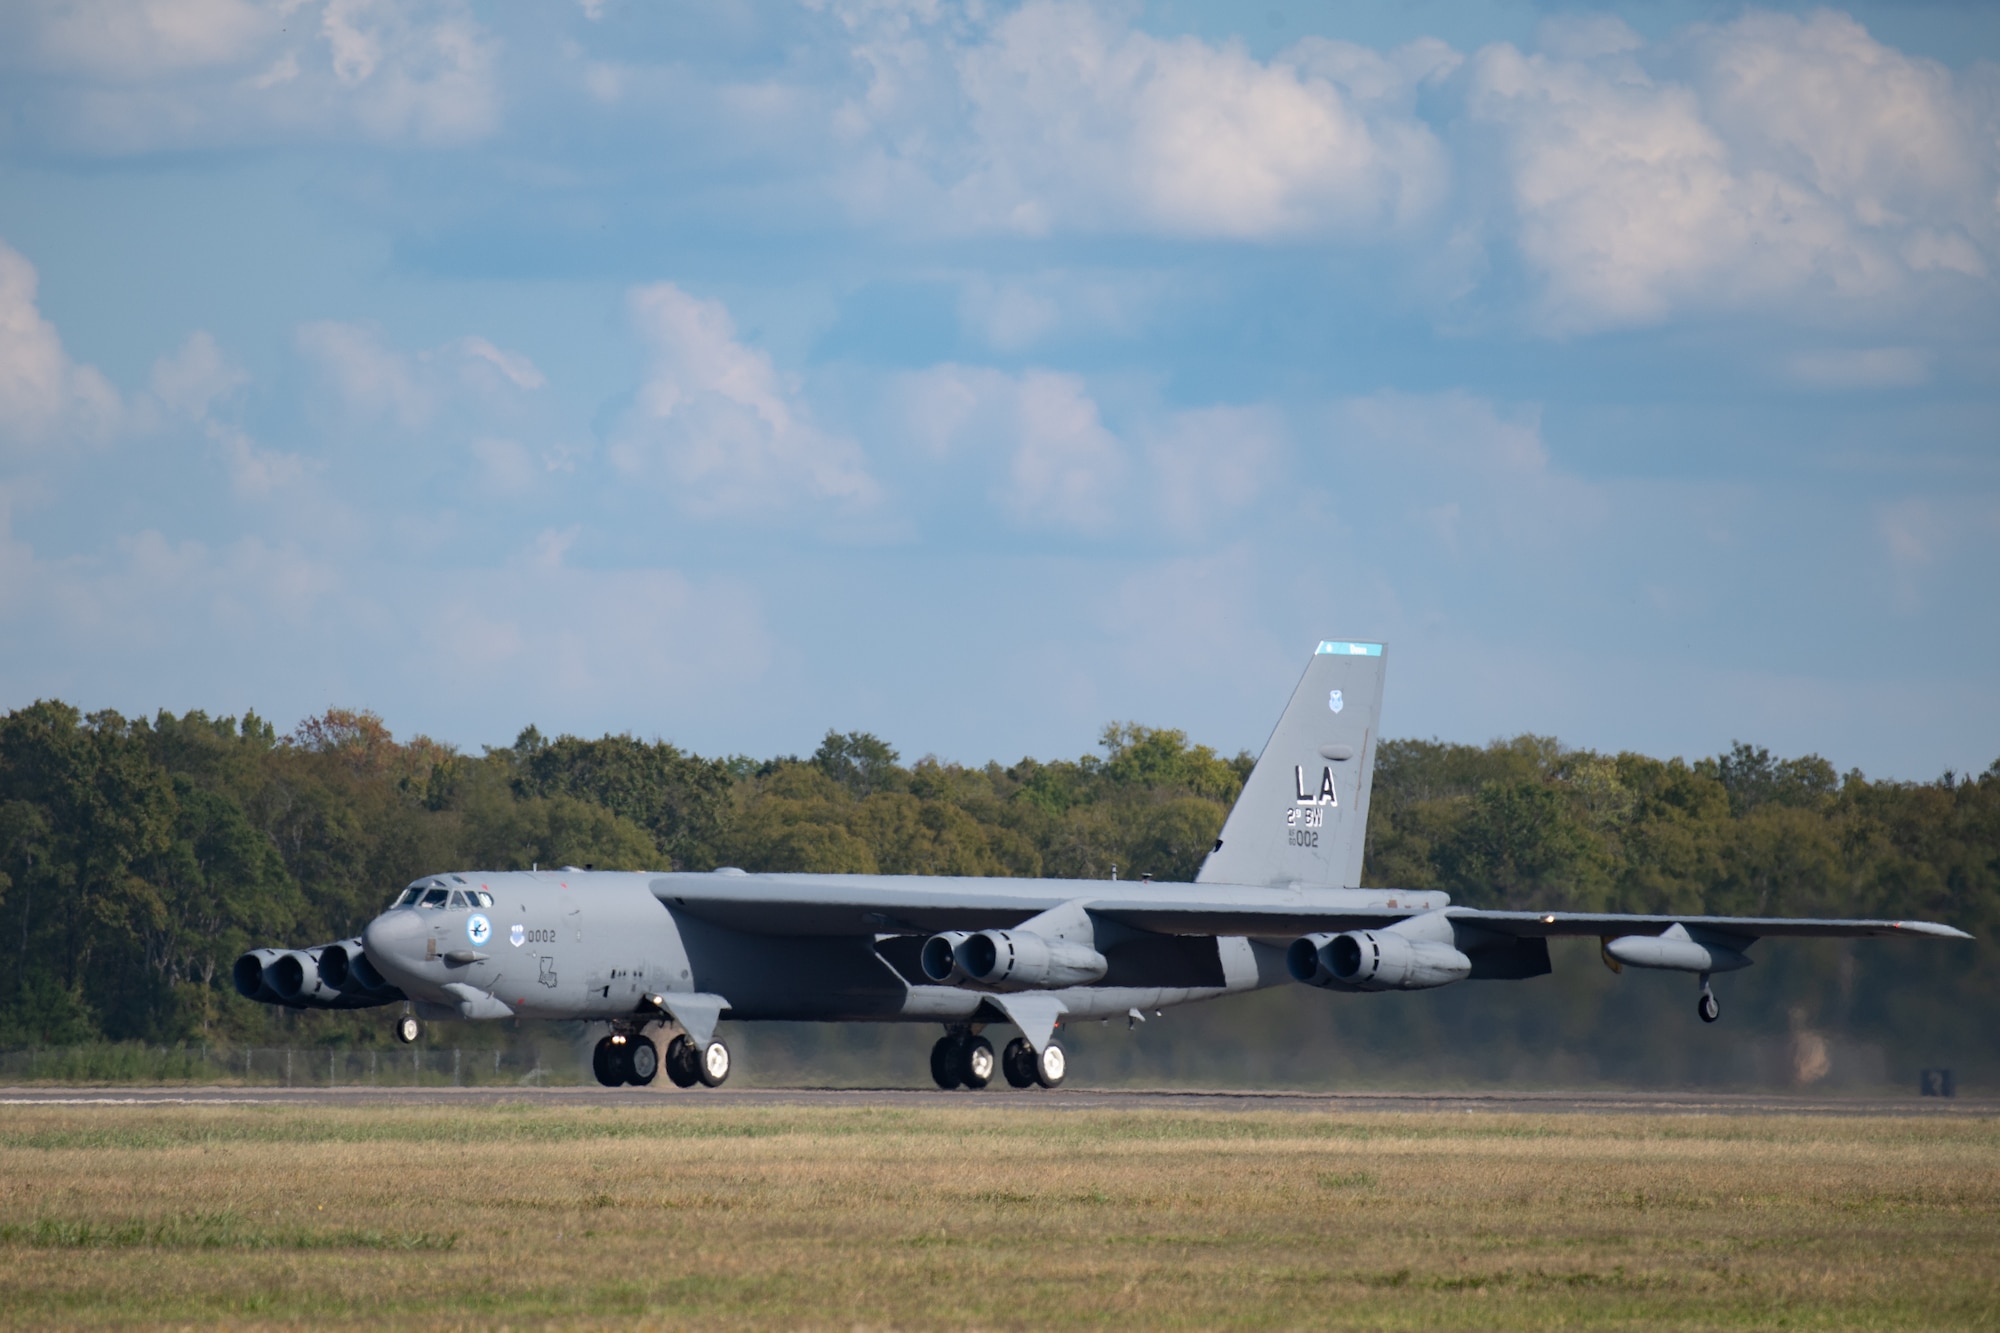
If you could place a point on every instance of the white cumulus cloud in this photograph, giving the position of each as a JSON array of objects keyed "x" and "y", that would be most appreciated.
[
  {"x": 1056, "y": 116},
  {"x": 122, "y": 76},
  {"x": 1773, "y": 163},
  {"x": 45, "y": 396},
  {"x": 720, "y": 427}
]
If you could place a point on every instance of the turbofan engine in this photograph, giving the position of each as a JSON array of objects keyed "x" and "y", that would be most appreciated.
[
  {"x": 346, "y": 967},
  {"x": 1375, "y": 960},
  {"x": 1010, "y": 960},
  {"x": 329, "y": 976}
]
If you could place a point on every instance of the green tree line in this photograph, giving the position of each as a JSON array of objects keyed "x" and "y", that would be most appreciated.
[{"x": 138, "y": 856}]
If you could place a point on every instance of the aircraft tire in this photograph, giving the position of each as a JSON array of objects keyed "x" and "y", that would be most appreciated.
[
  {"x": 714, "y": 1065},
  {"x": 608, "y": 1062},
  {"x": 945, "y": 1071},
  {"x": 681, "y": 1063},
  {"x": 642, "y": 1061},
  {"x": 408, "y": 1029},
  {"x": 1018, "y": 1063},
  {"x": 1052, "y": 1066},
  {"x": 975, "y": 1062},
  {"x": 1707, "y": 1007}
]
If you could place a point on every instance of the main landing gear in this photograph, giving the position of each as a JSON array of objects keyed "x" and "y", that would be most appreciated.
[
  {"x": 1706, "y": 1005},
  {"x": 965, "y": 1059},
  {"x": 689, "y": 1064},
  {"x": 631, "y": 1057},
  {"x": 408, "y": 1029}
]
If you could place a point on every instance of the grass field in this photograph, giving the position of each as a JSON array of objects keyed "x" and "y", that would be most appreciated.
[{"x": 660, "y": 1212}]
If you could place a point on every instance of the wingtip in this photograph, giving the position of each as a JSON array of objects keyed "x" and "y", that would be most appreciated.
[{"x": 1932, "y": 929}]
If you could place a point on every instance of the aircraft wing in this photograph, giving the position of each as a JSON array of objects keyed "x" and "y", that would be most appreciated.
[
  {"x": 1750, "y": 927},
  {"x": 921, "y": 904}
]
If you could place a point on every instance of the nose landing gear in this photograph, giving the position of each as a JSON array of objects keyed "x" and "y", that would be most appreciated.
[{"x": 1706, "y": 1005}]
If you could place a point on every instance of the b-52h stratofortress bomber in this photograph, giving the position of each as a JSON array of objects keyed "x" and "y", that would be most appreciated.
[{"x": 1276, "y": 901}]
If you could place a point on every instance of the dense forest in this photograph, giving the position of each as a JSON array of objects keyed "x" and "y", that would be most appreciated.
[{"x": 138, "y": 857}]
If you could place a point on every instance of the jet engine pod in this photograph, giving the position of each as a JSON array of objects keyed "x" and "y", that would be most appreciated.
[
  {"x": 1023, "y": 960},
  {"x": 1306, "y": 962},
  {"x": 345, "y": 967},
  {"x": 295, "y": 975},
  {"x": 1385, "y": 960},
  {"x": 940, "y": 957},
  {"x": 252, "y": 976}
]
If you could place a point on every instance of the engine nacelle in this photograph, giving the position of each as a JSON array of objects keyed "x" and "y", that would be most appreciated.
[
  {"x": 1375, "y": 960},
  {"x": 345, "y": 966},
  {"x": 1023, "y": 960},
  {"x": 250, "y": 976},
  {"x": 940, "y": 957},
  {"x": 295, "y": 975}
]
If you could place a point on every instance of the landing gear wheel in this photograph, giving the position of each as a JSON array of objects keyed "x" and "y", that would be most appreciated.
[
  {"x": 642, "y": 1062},
  {"x": 975, "y": 1062},
  {"x": 408, "y": 1029},
  {"x": 1052, "y": 1066},
  {"x": 714, "y": 1064},
  {"x": 1707, "y": 1007},
  {"x": 1018, "y": 1063},
  {"x": 945, "y": 1069},
  {"x": 683, "y": 1061},
  {"x": 611, "y": 1062}
]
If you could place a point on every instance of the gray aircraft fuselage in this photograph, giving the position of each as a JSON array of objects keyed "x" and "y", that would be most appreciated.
[{"x": 596, "y": 944}]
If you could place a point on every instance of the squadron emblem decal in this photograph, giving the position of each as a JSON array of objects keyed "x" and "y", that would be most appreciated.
[
  {"x": 1335, "y": 702},
  {"x": 478, "y": 929},
  {"x": 517, "y": 934}
]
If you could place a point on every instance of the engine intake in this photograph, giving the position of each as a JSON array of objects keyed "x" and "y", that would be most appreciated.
[
  {"x": 940, "y": 957},
  {"x": 345, "y": 966},
  {"x": 249, "y": 974},
  {"x": 331, "y": 976}
]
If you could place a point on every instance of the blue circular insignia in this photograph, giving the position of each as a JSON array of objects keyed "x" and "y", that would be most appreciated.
[{"x": 478, "y": 929}]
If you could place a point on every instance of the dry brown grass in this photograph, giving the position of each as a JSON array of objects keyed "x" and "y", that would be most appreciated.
[{"x": 662, "y": 1212}]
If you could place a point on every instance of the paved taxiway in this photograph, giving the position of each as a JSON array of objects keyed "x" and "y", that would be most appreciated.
[{"x": 1077, "y": 1099}]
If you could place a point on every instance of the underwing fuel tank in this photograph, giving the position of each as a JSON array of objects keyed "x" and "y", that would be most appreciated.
[{"x": 1677, "y": 949}]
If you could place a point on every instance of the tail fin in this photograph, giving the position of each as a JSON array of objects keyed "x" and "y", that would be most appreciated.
[{"x": 1303, "y": 814}]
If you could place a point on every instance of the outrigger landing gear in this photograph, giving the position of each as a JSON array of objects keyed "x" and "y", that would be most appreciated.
[
  {"x": 1706, "y": 1005},
  {"x": 408, "y": 1029}
]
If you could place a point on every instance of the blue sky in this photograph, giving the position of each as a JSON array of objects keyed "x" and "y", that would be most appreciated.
[{"x": 980, "y": 375}]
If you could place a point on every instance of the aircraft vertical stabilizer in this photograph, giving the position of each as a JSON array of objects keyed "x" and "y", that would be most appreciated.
[{"x": 1303, "y": 814}]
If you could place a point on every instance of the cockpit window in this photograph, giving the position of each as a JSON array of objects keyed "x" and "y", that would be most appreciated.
[
  {"x": 484, "y": 898},
  {"x": 457, "y": 898},
  {"x": 407, "y": 898},
  {"x": 435, "y": 897}
]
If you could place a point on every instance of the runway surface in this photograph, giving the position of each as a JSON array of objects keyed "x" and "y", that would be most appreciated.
[{"x": 1068, "y": 1099}]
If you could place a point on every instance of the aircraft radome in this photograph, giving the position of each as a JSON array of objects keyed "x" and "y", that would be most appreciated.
[{"x": 1275, "y": 903}]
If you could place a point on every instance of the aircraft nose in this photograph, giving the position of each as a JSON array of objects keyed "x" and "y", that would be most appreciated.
[{"x": 394, "y": 941}]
